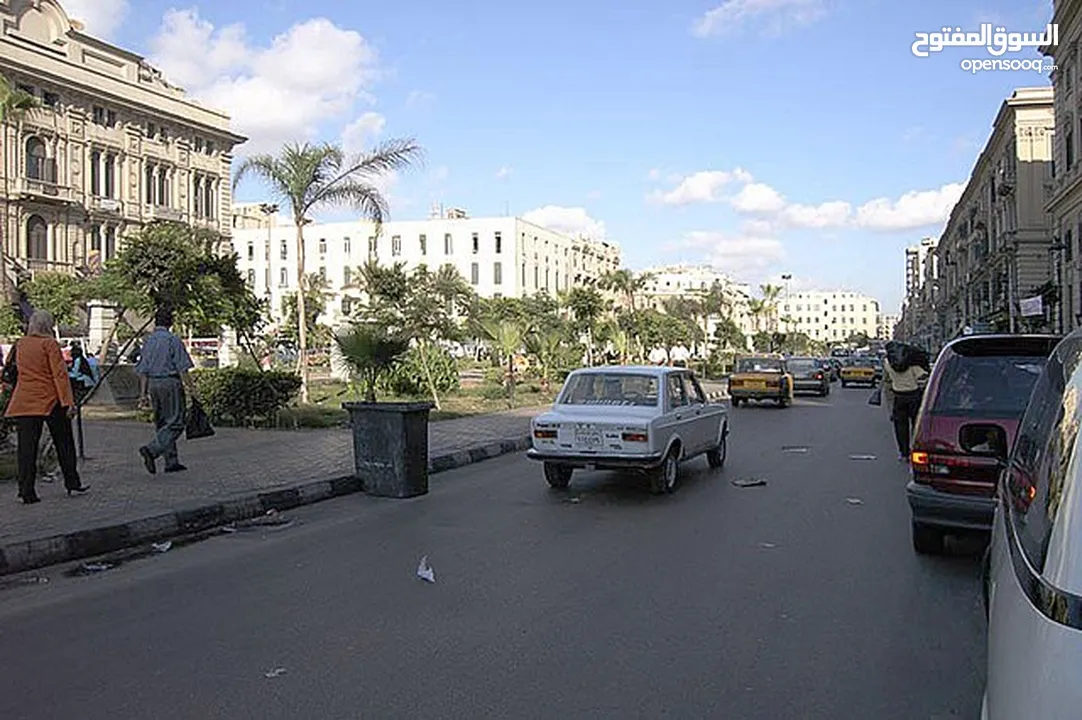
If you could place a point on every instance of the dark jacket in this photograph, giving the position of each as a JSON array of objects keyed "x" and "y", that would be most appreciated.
[{"x": 902, "y": 357}]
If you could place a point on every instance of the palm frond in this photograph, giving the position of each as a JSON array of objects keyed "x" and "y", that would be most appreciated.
[{"x": 367, "y": 200}]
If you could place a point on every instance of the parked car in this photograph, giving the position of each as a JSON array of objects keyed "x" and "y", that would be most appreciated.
[
  {"x": 831, "y": 368},
  {"x": 858, "y": 371},
  {"x": 808, "y": 376},
  {"x": 761, "y": 378},
  {"x": 975, "y": 397},
  {"x": 647, "y": 419},
  {"x": 1033, "y": 577}
]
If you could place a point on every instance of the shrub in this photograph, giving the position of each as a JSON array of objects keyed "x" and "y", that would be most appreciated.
[
  {"x": 410, "y": 376},
  {"x": 236, "y": 396}
]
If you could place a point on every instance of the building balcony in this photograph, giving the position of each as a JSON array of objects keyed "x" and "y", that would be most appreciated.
[
  {"x": 162, "y": 212},
  {"x": 39, "y": 189},
  {"x": 37, "y": 267},
  {"x": 108, "y": 205}
]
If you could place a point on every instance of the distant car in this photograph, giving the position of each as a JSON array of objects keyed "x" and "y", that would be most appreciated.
[
  {"x": 1033, "y": 576},
  {"x": 828, "y": 367},
  {"x": 858, "y": 371},
  {"x": 761, "y": 378},
  {"x": 646, "y": 418},
  {"x": 877, "y": 364},
  {"x": 808, "y": 376},
  {"x": 975, "y": 397}
]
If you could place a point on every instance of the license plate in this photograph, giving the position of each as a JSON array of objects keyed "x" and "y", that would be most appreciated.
[
  {"x": 756, "y": 385},
  {"x": 588, "y": 438}
]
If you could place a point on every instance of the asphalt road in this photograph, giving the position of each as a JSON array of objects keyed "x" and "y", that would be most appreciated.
[{"x": 783, "y": 601}]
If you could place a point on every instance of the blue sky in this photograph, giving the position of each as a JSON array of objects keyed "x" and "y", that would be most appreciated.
[{"x": 618, "y": 117}]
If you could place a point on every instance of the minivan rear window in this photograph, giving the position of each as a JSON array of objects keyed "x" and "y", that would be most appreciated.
[{"x": 987, "y": 386}]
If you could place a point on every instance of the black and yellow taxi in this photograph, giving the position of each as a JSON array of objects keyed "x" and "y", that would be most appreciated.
[
  {"x": 761, "y": 377},
  {"x": 859, "y": 371}
]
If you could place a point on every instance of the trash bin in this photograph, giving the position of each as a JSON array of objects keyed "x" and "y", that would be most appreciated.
[{"x": 390, "y": 447}]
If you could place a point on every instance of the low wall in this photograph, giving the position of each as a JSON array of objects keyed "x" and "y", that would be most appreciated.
[{"x": 119, "y": 389}]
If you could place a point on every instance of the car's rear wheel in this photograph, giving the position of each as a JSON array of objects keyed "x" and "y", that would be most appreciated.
[
  {"x": 928, "y": 540},
  {"x": 663, "y": 479},
  {"x": 784, "y": 401},
  {"x": 845, "y": 384},
  {"x": 736, "y": 402},
  {"x": 558, "y": 476},
  {"x": 716, "y": 457}
]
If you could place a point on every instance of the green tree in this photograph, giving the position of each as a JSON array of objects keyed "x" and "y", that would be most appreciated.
[
  {"x": 315, "y": 304},
  {"x": 507, "y": 338},
  {"x": 587, "y": 305},
  {"x": 14, "y": 105},
  {"x": 370, "y": 351},
  {"x": 729, "y": 335},
  {"x": 770, "y": 305},
  {"x": 58, "y": 293},
  {"x": 310, "y": 177},
  {"x": 626, "y": 283}
]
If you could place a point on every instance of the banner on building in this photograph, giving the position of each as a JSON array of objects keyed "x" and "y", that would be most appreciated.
[{"x": 1031, "y": 307}]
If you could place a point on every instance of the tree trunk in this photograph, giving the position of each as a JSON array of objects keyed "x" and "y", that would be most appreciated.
[
  {"x": 511, "y": 380},
  {"x": 302, "y": 315},
  {"x": 426, "y": 360}
]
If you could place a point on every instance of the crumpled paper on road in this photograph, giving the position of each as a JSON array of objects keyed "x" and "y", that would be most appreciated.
[{"x": 425, "y": 571}]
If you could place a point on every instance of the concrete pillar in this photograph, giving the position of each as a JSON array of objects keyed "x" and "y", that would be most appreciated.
[
  {"x": 102, "y": 318},
  {"x": 229, "y": 349}
]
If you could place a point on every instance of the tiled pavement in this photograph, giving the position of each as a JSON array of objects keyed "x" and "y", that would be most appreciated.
[{"x": 233, "y": 465}]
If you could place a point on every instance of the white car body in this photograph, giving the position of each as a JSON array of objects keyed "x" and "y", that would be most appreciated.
[
  {"x": 633, "y": 430},
  {"x": 1033, "y": 574}
]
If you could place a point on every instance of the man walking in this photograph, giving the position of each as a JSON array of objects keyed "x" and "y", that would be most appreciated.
[{"x": 163, "y": 377}]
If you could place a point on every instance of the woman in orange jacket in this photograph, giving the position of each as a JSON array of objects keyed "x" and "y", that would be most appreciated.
[{"x": 42, "y": 396}]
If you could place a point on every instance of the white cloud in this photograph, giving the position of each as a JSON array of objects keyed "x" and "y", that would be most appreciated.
[
  {"x": 101, "y": 17},
  {"x": 738, "y": 255},
  {"x": 360, "y": 134},
  {"x": 572, "y": 221},
  {"x": 313, "y": 73},
  {"x": 503, "y": 173},
  {"x": 757, "y": 228},
  {"x": 912, "y": 210},
  {"x": 832, "y": 214},
  {"x": 758, "y": 198},
  {"x": 776, "y": 15},
  {"x": 701, "y": 187}
]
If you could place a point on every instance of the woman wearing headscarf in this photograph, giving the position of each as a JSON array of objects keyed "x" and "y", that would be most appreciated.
[
  {"x": 904, "y": 374},
  {"x": 42, "y": 396}
]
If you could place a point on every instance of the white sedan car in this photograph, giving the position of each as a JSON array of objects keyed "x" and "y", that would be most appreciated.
[
  {"x": 1033, "y": 573},
  {"x": 646, "y": 418}
]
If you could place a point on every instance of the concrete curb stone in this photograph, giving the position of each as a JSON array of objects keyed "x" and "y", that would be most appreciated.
[{"x": 41, "y": 552}]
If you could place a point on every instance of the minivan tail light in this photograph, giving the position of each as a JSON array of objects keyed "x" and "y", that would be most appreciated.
[{"x": 635, "y": 437}]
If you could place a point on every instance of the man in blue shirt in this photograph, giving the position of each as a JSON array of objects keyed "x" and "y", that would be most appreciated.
[{"x": 163, "y": 377}]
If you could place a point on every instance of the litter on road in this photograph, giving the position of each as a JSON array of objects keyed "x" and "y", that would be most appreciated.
[
  {"x": 276, "y": 672},
  {"x": 862, "y": 457},
  {"x": 854, "y": 501},
  {"x": 768, "y": 546},
  {"x": 749, "y": 482},
  {"x": 425, "y": 571},
  {"x": 162, "y": 547},
  {"x": 795, "y": 449}
]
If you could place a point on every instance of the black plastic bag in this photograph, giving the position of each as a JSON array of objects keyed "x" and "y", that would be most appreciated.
[
  {"x": 876, "y": 397},
  {"x": 198, "y": 424},
  {"x": 10, "y": 375}
]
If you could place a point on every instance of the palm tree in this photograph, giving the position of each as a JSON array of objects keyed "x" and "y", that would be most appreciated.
[
  {"x": 625, "y": 282},
  {"x": 507, "y": 337},
  {"x": 14, "y": 104},
  {"x": 756, "y": 309},
  {"x": 310, "y": 177},
  {"x": 586, "y": 305},
  {"x": 770, "y": 305}
]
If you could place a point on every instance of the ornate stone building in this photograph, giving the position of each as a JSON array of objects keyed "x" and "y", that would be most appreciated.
[{"x": 112, "y": 146}]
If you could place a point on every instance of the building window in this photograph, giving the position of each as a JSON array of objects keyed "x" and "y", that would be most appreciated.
[
  {"x": 148, "y": 183},
  {"x": 476, "y": 244},
  {"x": 95, "y": 173},
  {"x": 1068, "y": 147},
  {"x": 266, "y": 252},
  {"x": 99, "y": 115},
  {"x": 497, "y": 273},
  {"x": 209, "y": 200},
  {"x": 283, "y": 278},
  {"x": 110, "y": 176},
  {"x": 347, "y": 276},
  {"x": 547, "y": 278},
  {"x": 347, "y": 305},
  {"x": 163, "y": 187},
  {"x": 523, "y": 276},
  {"x": 152, "y": 131},
  {"x": 345, "y": 246},
  {"x": 37, "y": 238},
  {"x": 266, "y": 279},
  {"x": 197, "y": 195},
  {"x": 198, "y": 144},
  {"x": 251, "y": 252},
  {"x": 499, "y": 243},
  {"x": 536, "y": 277},
  {"x": 475, "y": 274},
  {"x": 423, "y": 241},
  {"x": 110, "y": 243},
  {"x": 396, "y": 245},
  {"x": 95, "y": 238},
  {"x": 373, "y": 247},
  {"x": 323, "y": 274},
  {"x": 448, "y": 244},
  {"x": 322, "y": 246},
  {"x": 283, "y": 251},
  {"x": 210, "y": 147},
  {"x": 38, "y": 166},
  {"x": 251, "y": 278}
]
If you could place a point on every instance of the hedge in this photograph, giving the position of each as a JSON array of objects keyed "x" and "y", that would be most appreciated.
[{"x": 244, "y": 397}]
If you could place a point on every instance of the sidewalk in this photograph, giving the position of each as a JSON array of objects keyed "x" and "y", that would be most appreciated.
[{"x": 236, "y": 475}]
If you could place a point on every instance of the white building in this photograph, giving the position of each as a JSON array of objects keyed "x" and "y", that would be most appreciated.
[
  {"x": 889, "y": 322},
  {"x": 830, "y": 316},
  {"x": 500, "y": 256},
  {"x": 673, "y": 281}
]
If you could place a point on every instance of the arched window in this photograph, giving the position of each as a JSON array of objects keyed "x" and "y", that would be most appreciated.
[
  {"x": 37, "y": 238},
  {"x": 38, "y": 166}
]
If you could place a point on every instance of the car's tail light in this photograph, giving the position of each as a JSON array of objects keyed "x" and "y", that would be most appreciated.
[
  {"x": 818, "y": 376},
  {"x": 635, "y": 437},
  {"x": 545, "y": 434}
]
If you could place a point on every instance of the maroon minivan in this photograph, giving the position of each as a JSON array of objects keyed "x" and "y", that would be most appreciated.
[{"x": 975, "y": 398}]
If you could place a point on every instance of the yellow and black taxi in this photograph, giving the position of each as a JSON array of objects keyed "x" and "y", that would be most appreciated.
[
  {"x": 859, "y": 371},
  {"x": 762, "y": 377}
]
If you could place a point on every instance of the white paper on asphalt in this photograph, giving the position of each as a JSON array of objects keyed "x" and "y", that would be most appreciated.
[{"x": 425, "y": 571}]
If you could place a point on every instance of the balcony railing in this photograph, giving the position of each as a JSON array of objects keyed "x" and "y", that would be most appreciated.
[
  {"x": 162, "y": 212},
  {"x": 106, "y": 204},
  {"x": 45, "y": 189},
  {"x": 37, "y": 266}
]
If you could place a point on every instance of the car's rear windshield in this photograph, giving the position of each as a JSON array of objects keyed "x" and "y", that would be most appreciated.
[
  {"x": 987, "y": 386},
  {"x": 610, "y": 389},
  {"x": 801, "y": 365},
  {"x": 763, "y": 365}
]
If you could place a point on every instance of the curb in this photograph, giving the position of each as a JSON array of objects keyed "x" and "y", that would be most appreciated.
[{"x": 42, "y": 552}]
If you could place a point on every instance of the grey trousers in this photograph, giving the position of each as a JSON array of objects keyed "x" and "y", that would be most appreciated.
[{"x": 167, "y": 400}]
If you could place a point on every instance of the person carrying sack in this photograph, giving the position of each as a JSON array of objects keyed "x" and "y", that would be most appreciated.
[{"x": 904, "y": 376}]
